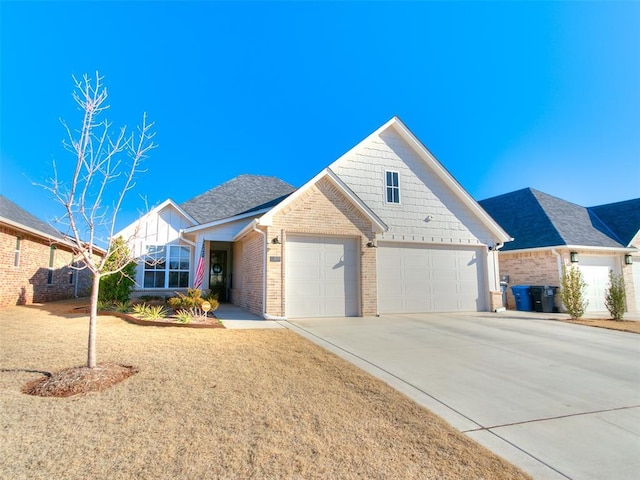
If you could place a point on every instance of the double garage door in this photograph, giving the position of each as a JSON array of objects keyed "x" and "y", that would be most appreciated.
[
  {"x": 323, "y": 278},
  {"x": 417, "y": 278}
]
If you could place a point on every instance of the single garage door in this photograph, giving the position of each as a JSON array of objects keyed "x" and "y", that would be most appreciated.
[
  {"x": 418, "y": 278},
  {"x": 635, "y": 271},
  {"x": 595, "y": 273},
  {"x": 322, "y": 277}
]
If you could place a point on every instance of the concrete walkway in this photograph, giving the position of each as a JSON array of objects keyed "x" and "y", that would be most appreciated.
[
  {"x": 235, "y": 317},
  {"x": 559, "y": 400}
]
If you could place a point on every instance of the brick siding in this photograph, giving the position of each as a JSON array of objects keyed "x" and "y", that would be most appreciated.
[{"x": 28, "y": 282}]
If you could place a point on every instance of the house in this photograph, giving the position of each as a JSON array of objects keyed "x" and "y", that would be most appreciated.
[
  {"x": 38, "y": 260},
  {"x": 551, "y": 233},
  {"x": 383, "y": 229}
]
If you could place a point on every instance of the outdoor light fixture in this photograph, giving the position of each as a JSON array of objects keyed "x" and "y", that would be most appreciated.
[
  {"x": 628, "y": 260},
  {"x": 574, "y": 257},
  {"x": 275, "y": 241},
  {"x": 371, "y": 245}
]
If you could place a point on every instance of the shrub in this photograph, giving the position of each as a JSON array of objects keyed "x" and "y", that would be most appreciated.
[
  {"x": 155, "y": 312},
  {"x": 123, "y": 307},
  {"x": 193, "y": 299},
  {"x": 116, "y": 287},
  {"x": 141, "y": 309},
  {"x": 183, "y": 316},
  {"x": 615, "y": 297},
  {"x": 572, "y": 291}
]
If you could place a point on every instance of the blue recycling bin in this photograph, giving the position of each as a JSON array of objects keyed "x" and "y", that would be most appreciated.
[{"x": 524, "y": 299}]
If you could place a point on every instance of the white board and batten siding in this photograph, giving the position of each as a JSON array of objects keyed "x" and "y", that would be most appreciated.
[
  {"x": 322, "y": 277},
  {"x": 433, "y": 257}
]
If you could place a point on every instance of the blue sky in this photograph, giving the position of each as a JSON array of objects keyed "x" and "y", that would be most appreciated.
[{"x": 506, "y": 95}]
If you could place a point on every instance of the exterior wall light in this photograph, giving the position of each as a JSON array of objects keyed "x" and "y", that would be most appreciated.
[
  {"x": 275, "y": 241},
  {"x": 628, "y": 260},
  {"x": 574, "y": 257}
]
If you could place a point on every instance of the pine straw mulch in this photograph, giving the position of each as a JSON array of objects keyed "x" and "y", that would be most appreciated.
[{"x": 79, "y": 380}]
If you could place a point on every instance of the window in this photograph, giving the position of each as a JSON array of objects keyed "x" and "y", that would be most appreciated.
[
  {"x": 52, "y": 252},
  {"x": 392, "y": 187},
  {"x": 167, "y": 267},
  {"x": 16, "y": 258}
]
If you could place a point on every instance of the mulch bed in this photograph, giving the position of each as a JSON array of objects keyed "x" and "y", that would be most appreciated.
[
  {"x": 168, "y": 322},
  {"x": 79, "y": 380}
]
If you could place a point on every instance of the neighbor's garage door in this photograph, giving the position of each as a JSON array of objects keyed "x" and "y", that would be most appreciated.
[
  {"x": 595, "y": 273},
  {"x": 417, "y": 278},
  {"x": 635, "y": 271},
  {"x": 322, "y": 277}
]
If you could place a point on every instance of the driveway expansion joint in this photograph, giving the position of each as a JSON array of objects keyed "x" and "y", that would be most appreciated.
[{"x": 536, "y": 420}]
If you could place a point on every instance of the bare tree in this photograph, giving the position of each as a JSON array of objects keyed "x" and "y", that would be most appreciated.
[{"x": 106, "y": 162}]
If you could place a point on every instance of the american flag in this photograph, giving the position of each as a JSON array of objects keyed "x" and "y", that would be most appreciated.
[{"x": 197, "y": 283}]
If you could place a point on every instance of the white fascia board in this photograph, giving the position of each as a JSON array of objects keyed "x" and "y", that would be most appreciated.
[
  {"x": 574, "y": 248},
  {"x": 157, "y": 209},
  {"x": 449, "y": 180},
  {"x": 379, "y": 225},
  {"x": 222, "y": 221},
  {"x": 267, "y": 219},
  {"x": 248, "y": 228},
  {"x": 440, "y": 171}
]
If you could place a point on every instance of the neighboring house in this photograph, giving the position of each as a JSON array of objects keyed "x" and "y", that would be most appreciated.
[
  {"x": 37, "y": 260},
  {"x": 383, "y": 229},
  {"x": 551, "y": 233}
]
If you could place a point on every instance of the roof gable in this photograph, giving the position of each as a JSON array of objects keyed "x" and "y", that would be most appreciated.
[
  {"x": 536, "y": 219},
  {"x": 622, "y": 218},
  {"x": 20, "y": 218},
  {"x": 240, "y": 195},
  {"x": 361, "y": 168}
]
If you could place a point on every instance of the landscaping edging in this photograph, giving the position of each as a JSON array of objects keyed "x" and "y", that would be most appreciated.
[{"x": 152, "y": 323}]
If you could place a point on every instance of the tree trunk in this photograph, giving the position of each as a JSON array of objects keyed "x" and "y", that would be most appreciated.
[{"x": 93, "y": 316}]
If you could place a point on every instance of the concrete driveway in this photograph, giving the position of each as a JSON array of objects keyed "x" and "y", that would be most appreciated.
[{"x": 556, "y": 399}]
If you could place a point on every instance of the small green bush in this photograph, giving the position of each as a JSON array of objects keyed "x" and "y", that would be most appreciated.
[
  {"x": 116, "y": 287},
  {"x": 123, "y": 307},
  {"x": 141, "y": 309},
  {"x": 183, "y": 316},
  {"x": 572, "y": 292},
  {"x": 615, "y": 296},
  {"x": 155, "y": 312},
  {"x": 193, "y": 299}
]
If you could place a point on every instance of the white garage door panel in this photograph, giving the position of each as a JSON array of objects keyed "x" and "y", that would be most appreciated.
[
  {"x": 322, "y": 277},
  {"x": 595, "y": 273},
  {"x": 635, "y": 271},
  {"x": 416, "y": 278}
]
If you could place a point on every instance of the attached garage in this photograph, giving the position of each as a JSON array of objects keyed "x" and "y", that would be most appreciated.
[
  {"x": 322, "y": 277},
  {"x": 416, "y": 278},
  {"x": 595, "y": 272}
]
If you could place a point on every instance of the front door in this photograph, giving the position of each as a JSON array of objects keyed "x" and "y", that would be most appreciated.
[{"x": 218, "y": 274}]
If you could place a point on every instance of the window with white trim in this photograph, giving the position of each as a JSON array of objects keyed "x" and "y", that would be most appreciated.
[
  {"x": 392, "y": 186},
  {"x": 167, "y": 266}
]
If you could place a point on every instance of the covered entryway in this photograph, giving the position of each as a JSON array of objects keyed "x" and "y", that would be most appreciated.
[
  {"x": 415, "y": 278},
  {"x": 322, "y": 277},
  {"x": 595, "y": 272}
]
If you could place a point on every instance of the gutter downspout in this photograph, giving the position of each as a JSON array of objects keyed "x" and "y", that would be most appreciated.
[{"x": 264, "y": 275}]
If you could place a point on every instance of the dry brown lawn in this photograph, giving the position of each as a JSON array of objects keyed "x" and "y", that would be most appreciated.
[
  {"x": 622, "y": 325},
  {"x": 213, "y": 403}
]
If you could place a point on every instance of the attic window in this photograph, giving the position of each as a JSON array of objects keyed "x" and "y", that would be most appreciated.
[{"x": 392, "y": 187}]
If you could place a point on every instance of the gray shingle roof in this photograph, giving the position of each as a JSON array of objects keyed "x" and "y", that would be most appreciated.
[
  {"x": 242, "y": 194},
  {"x": 535, "y": 219},
  {"x": 16, "y": 214},
  {"x": 623, "y": 218}
]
